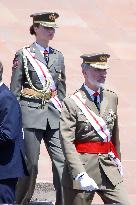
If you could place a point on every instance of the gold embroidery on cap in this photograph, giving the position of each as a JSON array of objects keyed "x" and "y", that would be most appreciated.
[
  {"x": 52, "y": 17},
  {"x": 97, "y": 63},
  {"x": 103, "y": 58}
]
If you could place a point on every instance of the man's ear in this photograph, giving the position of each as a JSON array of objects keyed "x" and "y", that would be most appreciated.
[
  {"x": 35, "y": 28},
  {"x": 84, "y": 72}
]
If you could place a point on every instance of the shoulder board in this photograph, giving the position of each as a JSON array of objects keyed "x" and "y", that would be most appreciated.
[
  {"x": 54, "y": 50},
  {"x": 27, "y": 46},
  {"x": 21, "y": 49},
  {"x": 111, "y": 91},
  {"x": 74, "y": 93}
]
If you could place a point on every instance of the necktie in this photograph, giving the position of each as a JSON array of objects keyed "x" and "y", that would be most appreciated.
[
  {"x": 46, "y": 56},
  {"x": 96, "y": 94}
]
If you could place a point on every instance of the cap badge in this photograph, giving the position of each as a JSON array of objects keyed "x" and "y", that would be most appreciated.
[
  {"x": 52, "y": 17},
  {"x": 103, "y": 58}
]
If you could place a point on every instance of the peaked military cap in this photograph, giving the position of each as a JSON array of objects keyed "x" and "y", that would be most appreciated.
[
  {"x": 46, "y": 19},
  {"x": 96, "y": 60}
]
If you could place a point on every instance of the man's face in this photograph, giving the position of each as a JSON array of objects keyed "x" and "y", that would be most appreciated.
[
  {"x": 44, "y": 33},
  {"x": 95, "y": 77}
]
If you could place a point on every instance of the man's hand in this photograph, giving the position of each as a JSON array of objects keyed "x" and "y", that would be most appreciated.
[{"x": 86, "y": 182}]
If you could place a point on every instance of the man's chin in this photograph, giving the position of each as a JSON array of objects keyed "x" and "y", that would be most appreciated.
[
  {"x": 100, "y": 85},
  {"x": 95, "y": 83}
]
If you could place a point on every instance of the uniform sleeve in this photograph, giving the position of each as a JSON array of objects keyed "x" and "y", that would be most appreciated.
[
  {"x": 61, "y": 87},
  {"x": 17, "y": 75},
  {"x": 68, "y": 122}
]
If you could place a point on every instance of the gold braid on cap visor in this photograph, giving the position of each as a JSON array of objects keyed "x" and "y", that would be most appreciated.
[
  {"x": 43, "y": 23},
  {"x": 97, "y": 63}
]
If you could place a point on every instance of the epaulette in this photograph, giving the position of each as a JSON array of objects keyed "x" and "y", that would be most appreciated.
[
  {"x": 27, "y": 46},
  {"x": 111, "y": 91},
  {"x": 55, "y": 50},
  {"x": 69, "y": 95},
  {"x": 76, "y": 91},
  {"x": 21, "y": 49}
]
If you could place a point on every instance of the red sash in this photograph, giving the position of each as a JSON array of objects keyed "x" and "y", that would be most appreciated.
[{"x": 96, "y": 147}]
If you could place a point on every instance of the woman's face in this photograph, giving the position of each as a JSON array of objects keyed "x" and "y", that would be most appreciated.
[{"x": 44, "y": 34}]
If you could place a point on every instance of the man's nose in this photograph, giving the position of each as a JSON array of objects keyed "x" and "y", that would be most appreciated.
[{"x": 51, "y": 29}]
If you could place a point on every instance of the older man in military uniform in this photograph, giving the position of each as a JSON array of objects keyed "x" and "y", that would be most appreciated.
[
  {"x": 38, "y": 81},
  {"x": 90, "y": 137}
]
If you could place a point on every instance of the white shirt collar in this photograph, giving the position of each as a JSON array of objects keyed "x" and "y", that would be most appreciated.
[
  {"x": 42, "y": 49},
  {"x": 91, "y": 92}
]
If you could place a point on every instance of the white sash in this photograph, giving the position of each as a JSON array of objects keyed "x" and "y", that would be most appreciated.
[
  {"x": 56, "y": 102},
  {"x": 40, "y": 69},
  {"x": 96, "y": 121}
]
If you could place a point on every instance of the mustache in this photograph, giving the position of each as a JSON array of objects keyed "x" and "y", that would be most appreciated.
[{"x": 95, "y": 82}]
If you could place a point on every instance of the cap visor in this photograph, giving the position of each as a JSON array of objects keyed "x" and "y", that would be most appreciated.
[
  {"x": 100, "y": 66},
  {"x": 50, "y": 25}
]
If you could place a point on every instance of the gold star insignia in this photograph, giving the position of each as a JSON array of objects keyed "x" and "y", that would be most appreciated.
[
  {"x": 103, "y": 58},
  {"x": 52, "y": 17}
]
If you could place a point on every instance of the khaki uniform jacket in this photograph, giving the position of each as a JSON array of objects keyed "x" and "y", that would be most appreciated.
[
  {"x": 32, "y": 114},
  {"x": 75, "y": 126}
]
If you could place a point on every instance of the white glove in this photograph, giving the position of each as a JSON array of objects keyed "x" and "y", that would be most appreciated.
[{"x": 86, "y": 182}]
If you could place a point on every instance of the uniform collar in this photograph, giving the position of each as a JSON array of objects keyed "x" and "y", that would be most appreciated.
[
  {"x": 91, "y": 92},
  {"x": 42, "y": 49}
]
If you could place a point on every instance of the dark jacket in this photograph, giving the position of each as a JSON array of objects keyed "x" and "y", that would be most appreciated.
[{"x": 11, "y": 139}]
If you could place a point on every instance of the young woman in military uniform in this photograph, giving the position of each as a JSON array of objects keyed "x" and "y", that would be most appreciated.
[{"x": 38, "y": 81}]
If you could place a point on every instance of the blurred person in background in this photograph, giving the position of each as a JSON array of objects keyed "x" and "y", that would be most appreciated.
[{"x": 12, "y": 162}]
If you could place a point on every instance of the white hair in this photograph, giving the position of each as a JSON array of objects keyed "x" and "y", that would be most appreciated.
[{"x": 85, "y": 66}]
